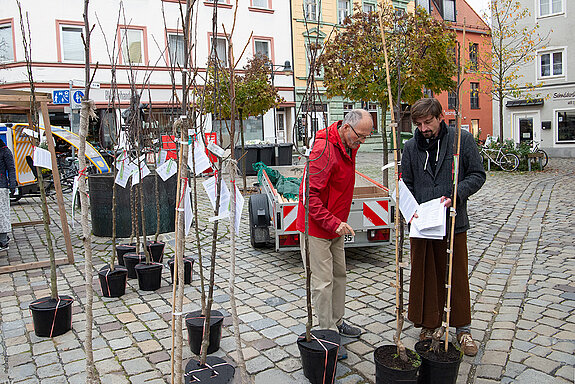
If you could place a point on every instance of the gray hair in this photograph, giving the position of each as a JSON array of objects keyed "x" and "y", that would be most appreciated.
[{"x": 354, "y": 116}]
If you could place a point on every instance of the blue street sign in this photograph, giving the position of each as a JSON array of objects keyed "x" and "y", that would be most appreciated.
[
  {"x": 61, "y": 96},
  {"x": 78, "y": 96}
]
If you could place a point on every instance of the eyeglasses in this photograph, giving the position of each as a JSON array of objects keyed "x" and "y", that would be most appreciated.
[{"x": 359, "y": 137}]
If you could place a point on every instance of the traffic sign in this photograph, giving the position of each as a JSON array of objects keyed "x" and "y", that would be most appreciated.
[
  {"x": 61, "y": 96},
  {"x": 77, "y": 97}
]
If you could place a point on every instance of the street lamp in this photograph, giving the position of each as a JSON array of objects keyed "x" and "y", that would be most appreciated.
[{"x": 286, "y": 67}]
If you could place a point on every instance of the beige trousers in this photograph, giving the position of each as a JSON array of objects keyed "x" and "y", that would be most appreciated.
[{"x": 327, "y": 260}]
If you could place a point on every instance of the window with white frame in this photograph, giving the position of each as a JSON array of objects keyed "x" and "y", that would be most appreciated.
[
  {"x": 6, "y": 43},
  {"x": 260, "y": 3},
  {"x": 132, "y": 46},
  {"x": 219, "y": 50},
  {"x": 550, "y": 7},
  {"x": 176, "y": 47},
  {"x": 71, "y": 43},
  {"x": 449, "y": 10},
  {"x": 311, "y": 9},
  {"x": 262, "y": 48},
  {"x": 343, "y": 10},
  {"x": 423, "y": 4},
  {"x": 368, "y": 6},
  {"x": 551, "y": 64}
]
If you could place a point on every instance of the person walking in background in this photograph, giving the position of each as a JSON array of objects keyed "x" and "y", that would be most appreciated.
[
  {"x": 426, "y": 168},
  {"x": 7, "y": 184},
  {"x": 331, "y": 183}
]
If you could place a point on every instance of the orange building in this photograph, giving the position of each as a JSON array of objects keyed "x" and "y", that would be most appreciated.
[{"x": 476, "y": 104}]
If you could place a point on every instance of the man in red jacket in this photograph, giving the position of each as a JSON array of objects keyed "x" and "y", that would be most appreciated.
[{"x": 331, "y": 182}]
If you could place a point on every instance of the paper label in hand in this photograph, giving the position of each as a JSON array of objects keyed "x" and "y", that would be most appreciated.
[{"x": 42, "y": 158}]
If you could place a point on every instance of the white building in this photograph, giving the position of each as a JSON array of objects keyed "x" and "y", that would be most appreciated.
[
  {"x": 145, "y": 29},
  {"x": 548, "y": 116}
]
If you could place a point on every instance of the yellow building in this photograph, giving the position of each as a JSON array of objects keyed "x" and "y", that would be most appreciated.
[{"x": 313, "y": 22}]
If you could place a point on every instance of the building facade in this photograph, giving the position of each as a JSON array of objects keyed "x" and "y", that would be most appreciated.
[
  {"x": 546, "y": 115},
  {"x": 314, "y": 22},
  {"x": 144, "y": 39},
  {"x": 474, "y": 96}
]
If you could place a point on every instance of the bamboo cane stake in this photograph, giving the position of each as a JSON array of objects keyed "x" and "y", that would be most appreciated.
[
  {"x": 398, "y": 297},
  {"x": 453, "y": 211}
]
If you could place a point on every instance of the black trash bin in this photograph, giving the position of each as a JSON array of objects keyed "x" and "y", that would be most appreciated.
[
  {"x": 101, "y": 185},
  {"x": 266, "y": 154},
  {"x": 251, "y": 157},
  {"x": 284, "y": 156}
]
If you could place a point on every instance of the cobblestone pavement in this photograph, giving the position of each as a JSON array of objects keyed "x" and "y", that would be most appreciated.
[{"x": 522, "y": 274}]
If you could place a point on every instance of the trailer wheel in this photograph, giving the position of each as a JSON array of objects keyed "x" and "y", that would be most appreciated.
[{"x": 259, "y": 220}]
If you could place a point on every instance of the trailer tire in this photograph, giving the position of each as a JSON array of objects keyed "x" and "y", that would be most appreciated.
[{"x": 259, "y": 218}]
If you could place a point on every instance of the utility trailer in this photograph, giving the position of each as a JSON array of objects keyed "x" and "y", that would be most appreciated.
[{"x": 272, "y": 217}]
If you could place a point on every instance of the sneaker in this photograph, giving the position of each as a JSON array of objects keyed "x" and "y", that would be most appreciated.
[
  {"x": 4, "y": 247},
  {"x": 348, "y": 331},
  {"x": 467, "y": 344},
  {"x": 341, "y": 353},
  {"x": 426, "y": 334}
]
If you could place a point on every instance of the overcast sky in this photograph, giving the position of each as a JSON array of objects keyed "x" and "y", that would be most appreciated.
[{"x": 479, "y": 6}]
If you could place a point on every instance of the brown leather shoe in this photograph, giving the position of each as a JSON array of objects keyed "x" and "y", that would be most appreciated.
[
  {"x": 426, "y": 334},
  {"x": 467, "y": 344}
]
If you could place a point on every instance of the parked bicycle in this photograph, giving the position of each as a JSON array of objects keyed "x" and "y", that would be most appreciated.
[
  {"x": 506, "y": 161},
  {"x": 535, "y": 149}
]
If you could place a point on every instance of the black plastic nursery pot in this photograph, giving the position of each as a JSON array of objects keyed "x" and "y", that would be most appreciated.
[
  {"x": 131, "y": 260},
  {"x": 52, "y": 317},
  {"x": 440, "y": 368},
  {"x": 215, "y": 371},
  {"x": 156, "y": 249},
  {"x": 113, "y": 282},
  {"x": 122, "y": 249},
  {"x": 390, "y": 369},
  {"x": 149, "y": 276},
  {"x": 195, "y": 322},
  {"x": 188, "y": 264},
  {"x": 319, "y": 355}
]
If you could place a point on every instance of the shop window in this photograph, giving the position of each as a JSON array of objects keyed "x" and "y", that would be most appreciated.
[{"x": 566, "y": 126}]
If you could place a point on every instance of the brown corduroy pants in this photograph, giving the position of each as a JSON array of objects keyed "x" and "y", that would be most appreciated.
[{"x": 427, "y": 284}]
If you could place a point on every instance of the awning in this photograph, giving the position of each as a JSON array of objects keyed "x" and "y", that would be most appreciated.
[{"x": 524, "y": 103}]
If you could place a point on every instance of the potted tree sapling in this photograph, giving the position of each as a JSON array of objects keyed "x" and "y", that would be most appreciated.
[{"x": 52, "y": 315}]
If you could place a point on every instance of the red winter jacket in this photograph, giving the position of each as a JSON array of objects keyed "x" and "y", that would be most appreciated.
[{"x": 332, "y": 178}]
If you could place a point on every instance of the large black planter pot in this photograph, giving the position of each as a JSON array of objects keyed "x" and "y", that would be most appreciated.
[
  {"x": 215, "y": 371},
  {"x": 149, "y": 276},
  {"x": 113, "y": 283},
  {"x": 440, "y": 368},
  {"x": 319, "y": 356},
  {"x": 131, "y": 260},
  {"x": 188, "y": 264},
  {"x": 156, "y": 249},
  {"x": 195, "y": 323},
  {"x": 52, "y": 317},
  {"x": 122, "y": 249},
  {"x": 101, "y": 185},
  {"x": 390, "y": 369}
]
